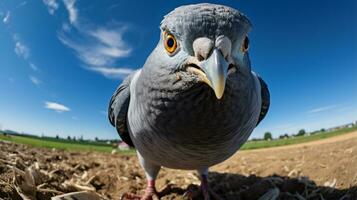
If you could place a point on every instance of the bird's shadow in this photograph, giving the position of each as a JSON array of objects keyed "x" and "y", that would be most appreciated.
[{"x": 238, "y": 187}]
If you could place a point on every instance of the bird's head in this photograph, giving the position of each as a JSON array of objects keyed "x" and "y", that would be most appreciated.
[{"x": 206, "y": 41}]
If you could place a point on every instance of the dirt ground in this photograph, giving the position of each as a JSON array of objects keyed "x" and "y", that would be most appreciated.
[{"x": 326, "y": 169}]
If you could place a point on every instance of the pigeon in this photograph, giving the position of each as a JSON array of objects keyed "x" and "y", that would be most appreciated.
[{"x": 196, "y": 100}]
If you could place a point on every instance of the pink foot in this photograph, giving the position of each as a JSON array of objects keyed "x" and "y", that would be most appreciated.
[{"x": 150, "y": 192}]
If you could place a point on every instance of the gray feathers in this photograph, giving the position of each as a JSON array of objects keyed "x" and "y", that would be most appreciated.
[
  {"x": 118, "y": 109},
  {"x": 209, "y": 20},
  {"x": 265, "y": 99},
  {"x": 191, "y": 129},
  {"x": 173, "y": 118}
]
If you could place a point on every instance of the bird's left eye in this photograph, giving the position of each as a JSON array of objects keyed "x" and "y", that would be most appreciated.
[{"x": 170, "y": 42}]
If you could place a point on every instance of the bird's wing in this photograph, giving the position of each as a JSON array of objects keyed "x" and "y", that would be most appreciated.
[
  {"x": 118, "y": 109},
  {"x": 265, "y": 99}
]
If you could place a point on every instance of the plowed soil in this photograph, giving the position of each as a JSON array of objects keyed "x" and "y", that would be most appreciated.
[{"x": 326, "y": 169}]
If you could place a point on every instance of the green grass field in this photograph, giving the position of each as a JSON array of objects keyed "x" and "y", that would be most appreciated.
[
  {"x": 47, "y": 143},
  {"x": 101, "y": 147},
  {"x": 295, "y": 140}
]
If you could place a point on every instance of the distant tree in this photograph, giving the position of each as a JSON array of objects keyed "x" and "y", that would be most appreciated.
[
  {"x": 322, "y": 130},
  {"x": 268, "y": 136},
  {"x": 57, "y": 137},
  {"x": 81, "y": 138},
  {"x": 314, "y": 132},
  {"x": 301, "y": 132},
  {"x": 96, "y": 139},
  {"x": 68, "y": 137},
  {"x": 74, "y": 138},
  {"x": 284, "y": 136}
]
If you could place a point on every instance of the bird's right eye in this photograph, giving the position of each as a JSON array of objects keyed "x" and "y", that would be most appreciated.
[{"x": 170, "y": 42}]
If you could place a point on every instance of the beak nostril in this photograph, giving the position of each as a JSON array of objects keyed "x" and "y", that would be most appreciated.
[{"x": 202, "y": 48}]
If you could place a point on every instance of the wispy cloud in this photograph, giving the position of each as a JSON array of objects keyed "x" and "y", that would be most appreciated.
[
  {"x": 56, "y": 107},
  {"x": 101, "y": 47},
  {"x": 6, "y": 18},
  {"x": 22, "y": 50},
  {"x": 112, "y": 42},
  {"x": 21, "y": 4},
  {"x": 98, "y": 47},
  {"x": 33, "y": 66},
  {"x": 346, "y": 108},
  {"x": 114, "y": 73},
  {"x": 35, "y": 80},
  {"x": 66, "y": 27},
  {"x": 52, "y": 6},
  {"x": 321, "y": 109},
  {"x": 72, "y": 10}
]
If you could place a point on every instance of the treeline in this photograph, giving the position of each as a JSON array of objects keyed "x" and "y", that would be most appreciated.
[
  {"x": 302, "y": 132},
  {"x": 64, "y": 139}
]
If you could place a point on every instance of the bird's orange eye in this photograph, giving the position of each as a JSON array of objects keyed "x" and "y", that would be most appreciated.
[
  {"x": 170, "y": 42},
  {"x": 245, "y": 45}
]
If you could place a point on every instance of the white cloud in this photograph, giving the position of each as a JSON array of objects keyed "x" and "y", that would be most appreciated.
[
  {"x": 98, "y": 47},
  {"x": 33, "y": 66},
  {"x": 56, "y": 107},
  {"x": 66, "y": 27},
  {"x": 321, "y": 109},
  {"x": 345, "y": 108},
  {"x": 22, "y": 50},
  {"x": 72, "y": 10},
  {"x": 115, "y": 73},
  {"x": 101, "y": 47},
  {"x": 21, "y": 4},
  {"x": 52, "y": 6},
  {"x": 35, "y": 80},
  {"x": 6, "y": 19},
  {"x": 112, "y": 41}
]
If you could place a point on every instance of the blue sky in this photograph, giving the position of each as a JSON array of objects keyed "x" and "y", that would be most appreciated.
[{"x": 61, "y": 61}]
